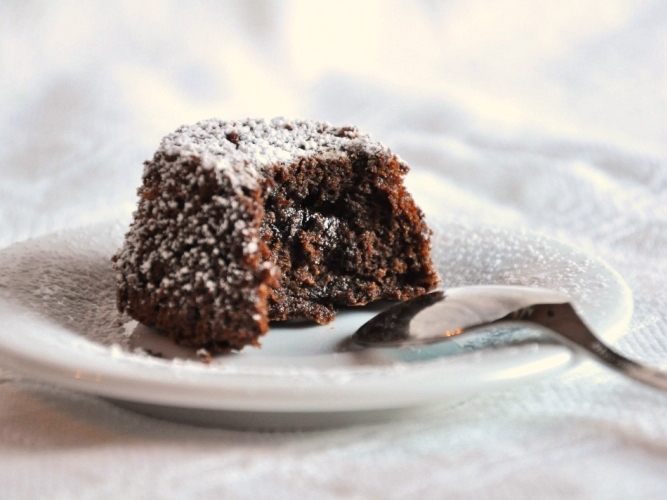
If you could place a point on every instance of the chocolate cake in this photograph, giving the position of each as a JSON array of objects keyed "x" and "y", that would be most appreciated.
[{"x": 244, "y": 222}]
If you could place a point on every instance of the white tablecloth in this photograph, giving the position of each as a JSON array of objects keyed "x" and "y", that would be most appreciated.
[{"x": 546, "y": 115}]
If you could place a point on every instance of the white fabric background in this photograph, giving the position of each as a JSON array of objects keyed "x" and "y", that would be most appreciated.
[{"x": 546, "y": 115}]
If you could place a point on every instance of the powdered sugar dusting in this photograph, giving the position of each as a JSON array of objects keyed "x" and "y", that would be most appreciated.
[{"x": 242, "y": 148}]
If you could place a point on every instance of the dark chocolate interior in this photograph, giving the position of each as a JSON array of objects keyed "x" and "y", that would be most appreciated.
[{"x": 343, "y": 231}]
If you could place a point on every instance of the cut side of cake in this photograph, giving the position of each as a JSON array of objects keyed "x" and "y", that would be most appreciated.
[{"x": 244, "y": 222}]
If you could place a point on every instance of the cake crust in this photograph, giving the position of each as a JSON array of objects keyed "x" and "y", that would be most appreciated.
[{"x": 242, "y": 222}]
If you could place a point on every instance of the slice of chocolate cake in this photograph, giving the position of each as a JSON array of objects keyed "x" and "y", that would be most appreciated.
[{"x": 243, "y": 222}]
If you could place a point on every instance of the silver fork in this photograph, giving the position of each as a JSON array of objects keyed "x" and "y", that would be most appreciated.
[{"x": 441, "y": 315}]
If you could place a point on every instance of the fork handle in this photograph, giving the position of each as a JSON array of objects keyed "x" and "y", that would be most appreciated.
[{"x": 564, "y": 321}]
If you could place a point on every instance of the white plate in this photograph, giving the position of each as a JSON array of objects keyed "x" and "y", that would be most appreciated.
[{"x": 59, "y": 324}]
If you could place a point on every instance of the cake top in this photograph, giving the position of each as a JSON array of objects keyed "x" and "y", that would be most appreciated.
[{"x": 242, "y": 148}]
